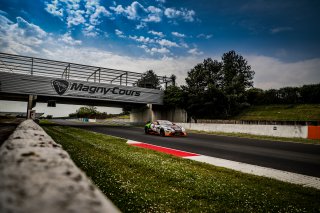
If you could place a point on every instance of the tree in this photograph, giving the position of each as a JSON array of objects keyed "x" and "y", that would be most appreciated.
[
  {"x": 236, "y": 73},
  {"x": 173, "y": 79},
  {"x": 218, "y": 89},
  {"x": 87, "y": 112},
  {"x": 126, "y": 109},
  {"x": 149, "y": 80},
  {"x": 310, "y": 93},
  {"x": 255, "y": 96},
  {"x": 203, "y": 90},
  {"x": 173, "y": 97},
  {"x": 236, "y": 79}
]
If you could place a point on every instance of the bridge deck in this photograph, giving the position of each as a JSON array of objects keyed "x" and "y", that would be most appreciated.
[{"x": 72, "y": 83}]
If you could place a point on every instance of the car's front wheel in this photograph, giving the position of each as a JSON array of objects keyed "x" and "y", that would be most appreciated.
[
  {"x": 146, "y": 131},
  {"x": 162, "y": 133}
]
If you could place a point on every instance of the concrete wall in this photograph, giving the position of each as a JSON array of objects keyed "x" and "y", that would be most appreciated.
[
  {"x": 175, "y": 115},
  {"x": 269, "y": 130},
  {"x": 37, "y": 175},
  {"x": 141, "y": 114},
  {"x": 152, "y": 112}
]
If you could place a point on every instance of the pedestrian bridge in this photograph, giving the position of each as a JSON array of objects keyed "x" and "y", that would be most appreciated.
[{"x": 70, "y": 83}]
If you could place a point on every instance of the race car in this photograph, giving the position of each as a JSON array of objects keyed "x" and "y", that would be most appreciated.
[{"x": 164, "y": 128}]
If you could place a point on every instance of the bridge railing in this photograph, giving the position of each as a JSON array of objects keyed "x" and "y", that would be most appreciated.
[{"x": 65, "y": 70}]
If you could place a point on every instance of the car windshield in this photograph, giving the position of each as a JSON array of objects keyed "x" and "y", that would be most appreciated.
[{"x": 165, "y": 123}]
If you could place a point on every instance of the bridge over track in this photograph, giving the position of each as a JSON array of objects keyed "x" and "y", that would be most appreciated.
[{"x": 70, "y": 83}]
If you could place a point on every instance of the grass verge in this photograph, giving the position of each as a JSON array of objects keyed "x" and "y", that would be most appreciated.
[
  {"x": 285, "y": 112},
  {"x": 140, "y": 180},
  {"x": 260, "y": 137}
]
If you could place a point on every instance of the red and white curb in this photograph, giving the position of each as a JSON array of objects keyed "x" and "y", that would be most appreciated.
[{"x": 305, "y": 180}]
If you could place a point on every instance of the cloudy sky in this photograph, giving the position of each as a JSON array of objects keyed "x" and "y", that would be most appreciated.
[{"x": 280, "y": 39}]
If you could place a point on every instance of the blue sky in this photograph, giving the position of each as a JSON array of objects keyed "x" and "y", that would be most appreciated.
[
  {"x": 287, "y": 30},
  {"x": 280, "y": 39}
]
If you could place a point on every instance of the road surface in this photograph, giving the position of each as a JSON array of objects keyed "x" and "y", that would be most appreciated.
[{"x": 292, "y": 157}]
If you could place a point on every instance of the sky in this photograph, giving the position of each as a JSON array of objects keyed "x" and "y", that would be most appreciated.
[{"x": 279, "y": 39}]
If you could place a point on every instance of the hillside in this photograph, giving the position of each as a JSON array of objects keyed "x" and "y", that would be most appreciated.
[{"x": 300, "y": 112}]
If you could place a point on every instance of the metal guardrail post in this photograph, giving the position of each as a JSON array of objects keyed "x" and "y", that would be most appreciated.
[
  {"x": 99, "y": 73},
  {"x": 68, "y": 73},
  {"x": 32, "y": 66},
  {"x": 126, "y": 78}
]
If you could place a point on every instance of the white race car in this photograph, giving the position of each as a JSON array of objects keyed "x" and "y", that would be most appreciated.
[{"x": 164, "y": 128}]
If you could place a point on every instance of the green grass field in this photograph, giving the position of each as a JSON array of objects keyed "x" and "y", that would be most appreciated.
[
  {"x": 302, "y": 112},
  {"x": 140, "y": 180}
]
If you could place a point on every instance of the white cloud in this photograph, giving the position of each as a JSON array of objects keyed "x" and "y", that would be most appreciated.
[
  {"x": 20, "y": 37},
  {"x": 195, "y": 52},
  {"x": 95, "y": 11},
  {"x": 160, "y": 34},
  {"x": 3, "y": 13},
  {"x": 71, "y": 12},
  {"x": 53, "y": 8},
  {"x": 154, "y": 15},
  {"x": 180, "y": 35},
  {"x": 142, "y": 39},
  {"x": 137, "y": 11},
  {"x": 185, "y": 45},
  {"x": 280, "y": 30},
  {"x": 131, "y": 11},
  {"x": 75, "y": 17},
  {"x": 273, "y": 73},
  {"x": 155, "y": 50},
  {"x": 5, "y": 22},
  {"x": 165, "y": 42},
  {"x": 141, "y": 25},
  {"x": 29, "y": 29},
  {"x": 204, "y": 36},
  {"x": 67, "y": 39},
  {"x": 155, "y": 45},
  {"x": 161, "y": 1},
  {"x": 119, "y": 33},
  {"x": 183, "y": 13},
  {"x": 90, "y": 31}
]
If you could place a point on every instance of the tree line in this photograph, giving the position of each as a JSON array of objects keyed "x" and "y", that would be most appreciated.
[
  {"x": 92, "y": 112},
  {"x": 222, "y": 89},
  {"x": 306, "y": 94}
]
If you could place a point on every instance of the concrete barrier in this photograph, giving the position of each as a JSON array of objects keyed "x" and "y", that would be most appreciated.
[
  {"x": 294, "y": 131},
  {"x": 37, "y": 175}
]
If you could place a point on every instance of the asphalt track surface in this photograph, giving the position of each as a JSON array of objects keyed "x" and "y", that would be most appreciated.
[{"x": 286, "y": 156}]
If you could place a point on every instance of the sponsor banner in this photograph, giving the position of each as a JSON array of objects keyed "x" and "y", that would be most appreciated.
[{"x": 46, "y": 86}]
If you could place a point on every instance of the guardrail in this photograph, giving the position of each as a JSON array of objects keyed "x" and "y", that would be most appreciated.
[{"x": 37, "y": 175}]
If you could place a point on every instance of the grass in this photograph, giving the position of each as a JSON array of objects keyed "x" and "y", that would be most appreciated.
[
  {"x": 260, "y": 137},
  {"x": 300, "y": 112},
  {"x": 140, "y": 180}
]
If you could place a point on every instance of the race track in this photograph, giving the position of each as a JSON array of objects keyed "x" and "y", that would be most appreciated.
[{"x": 292, "y": 157}]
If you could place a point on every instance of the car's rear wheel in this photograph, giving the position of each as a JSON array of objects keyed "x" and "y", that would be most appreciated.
[{"x": 162, "y": 133}]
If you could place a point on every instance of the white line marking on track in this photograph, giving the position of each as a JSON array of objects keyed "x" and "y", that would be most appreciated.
[
  {"x": 290, "y": 177},
  {"x": 133, "y": 142},
  {"x": 285, "y": 176}
]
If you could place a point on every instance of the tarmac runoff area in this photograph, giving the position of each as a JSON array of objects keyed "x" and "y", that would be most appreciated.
[{"x": 304, "y": 180}]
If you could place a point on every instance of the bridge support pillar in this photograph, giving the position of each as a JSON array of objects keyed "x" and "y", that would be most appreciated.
[
  {"x": 152, "y": 112},
  {"x": 31, "y": 103}
]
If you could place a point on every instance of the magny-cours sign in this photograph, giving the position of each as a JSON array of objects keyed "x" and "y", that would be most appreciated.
[{"x": 45, "y": 86}]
